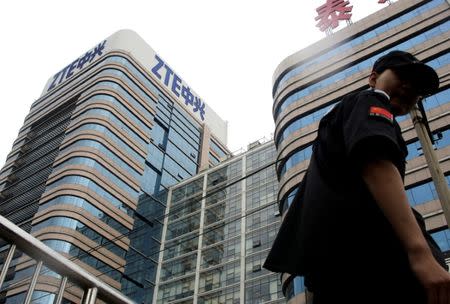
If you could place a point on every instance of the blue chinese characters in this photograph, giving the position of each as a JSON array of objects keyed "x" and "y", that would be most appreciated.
[
  {"x": 177, "y": 86},
  {"x": 78, "y": 64}
]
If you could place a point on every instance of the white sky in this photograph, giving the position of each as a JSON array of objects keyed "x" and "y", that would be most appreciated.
[{"x": 226, "y": 51}]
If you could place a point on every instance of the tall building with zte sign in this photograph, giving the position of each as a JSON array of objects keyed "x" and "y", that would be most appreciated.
[
  {"x": 90, "y": 170},
  {"x": 308, "y": 83}
]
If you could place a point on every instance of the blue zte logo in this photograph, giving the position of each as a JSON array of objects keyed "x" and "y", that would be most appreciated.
[
  {"x": 78, "y": 64},
  {"x": 177, "y": 86}
]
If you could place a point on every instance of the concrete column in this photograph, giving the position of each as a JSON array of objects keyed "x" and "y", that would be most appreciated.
[
  {"x": 200, "y": 240},
  {"x": 203, "y": 157},
  {"x": 243, "y": 210},
  {"x": 163, "y": 242}
]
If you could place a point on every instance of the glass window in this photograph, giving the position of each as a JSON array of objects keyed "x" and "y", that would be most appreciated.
[
  {"x": 81, "y": 180},
  {"x": 193, "y": 188},
  {"x": 303, "y": 121},
  {"x": 260, "y": 158},
  {"x": 75, "y": 251},
  {"x": 229, "y": 295},
  {"x": 221, "y": 253},
  {"x": 190, "y": 124},
  {"x": 188, "y": 130},
  {"x": 366, "y": 64},
  {"x": 118, "y": 104},
  {"x": 177, "y": 290},
  {"x": 442, "y": 238},
  {"x": 117, "y": 123},
  {"x": 134, "y": 87},
  {"x": 155, "y": 156},
  {"x": 121, "y": 91},
  {"x": 286, "y": 202},
  {"x": 159, "y": 135},
  {"x": 213, "y": 160},
  {"x": 219, "y": 277},
  {"x": 112, "y": 178},
  {"x": 186, "y": 162},
  {"x": 190, "y": 148},
  {"x": 84, "y": 230},
  {"x": 356, "y": 41},
  {"x": 116, "y": 139},
  {"x": 437, "y": 100},
  {"x": 178, "y": 267},
  {"x": 215, "y": 147},
  {"x": 420, "y": 194},
  {"x": 442, "y": 140},
  {"x": 175, "y": 169},
  {"x": 151, "y": 180},
  {"x": 101, "y": 148},
  {"x": 296, "y": 158},
  {"x": 414, "y": 150},
  {"x": 168, "y": 179},
  {"x": 82, "y": 203},
  {"x": 147, "y": 83}
]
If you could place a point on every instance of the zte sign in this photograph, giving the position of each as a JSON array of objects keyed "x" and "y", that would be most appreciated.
[
  {"x": 158, "y": 67},
  {"x": 174, "y": 83},
  {"x": 77, "y": 65}
]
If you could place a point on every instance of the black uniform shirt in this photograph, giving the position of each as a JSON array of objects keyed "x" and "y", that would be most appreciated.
[{"x": 334, "y": 216}]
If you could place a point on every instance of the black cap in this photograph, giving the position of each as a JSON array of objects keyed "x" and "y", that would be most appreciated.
[{"x": 408, "y": 67}]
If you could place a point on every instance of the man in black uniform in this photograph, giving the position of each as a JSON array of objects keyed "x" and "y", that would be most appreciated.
[{"x": 350, "y": 231}]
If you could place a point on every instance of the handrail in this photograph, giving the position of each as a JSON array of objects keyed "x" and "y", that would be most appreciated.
[{"x": 58, "y": 263}]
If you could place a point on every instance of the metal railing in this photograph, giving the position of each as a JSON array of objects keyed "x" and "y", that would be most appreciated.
[{"x": 93, "y": 287}]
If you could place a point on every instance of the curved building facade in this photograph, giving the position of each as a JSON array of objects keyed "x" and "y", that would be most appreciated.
[
  {"x": 308, "y": 83},
  {"x": 90, "y": 170}
]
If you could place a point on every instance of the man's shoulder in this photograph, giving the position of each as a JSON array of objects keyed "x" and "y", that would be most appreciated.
[
  {"x": 365, "y": 95},
  {"x": 363, "y": 99}
]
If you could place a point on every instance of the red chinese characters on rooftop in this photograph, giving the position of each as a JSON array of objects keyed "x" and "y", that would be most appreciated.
[{"x": 331, "y": 13}]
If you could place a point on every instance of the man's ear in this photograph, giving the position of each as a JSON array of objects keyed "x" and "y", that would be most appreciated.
[{"x": 373, "y": 79}]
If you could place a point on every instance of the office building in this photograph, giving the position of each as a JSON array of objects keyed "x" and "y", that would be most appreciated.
[
  {"x": 218, "y": 228},
  {"x": 308, "y": 83},
  {"x": 89, "y": 172}
]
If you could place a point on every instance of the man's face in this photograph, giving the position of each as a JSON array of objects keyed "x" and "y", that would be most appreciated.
[{"x": 396, "y": 84}]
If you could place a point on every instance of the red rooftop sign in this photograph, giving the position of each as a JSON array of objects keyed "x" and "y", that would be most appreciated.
[{"x": 331, "y": 13}]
